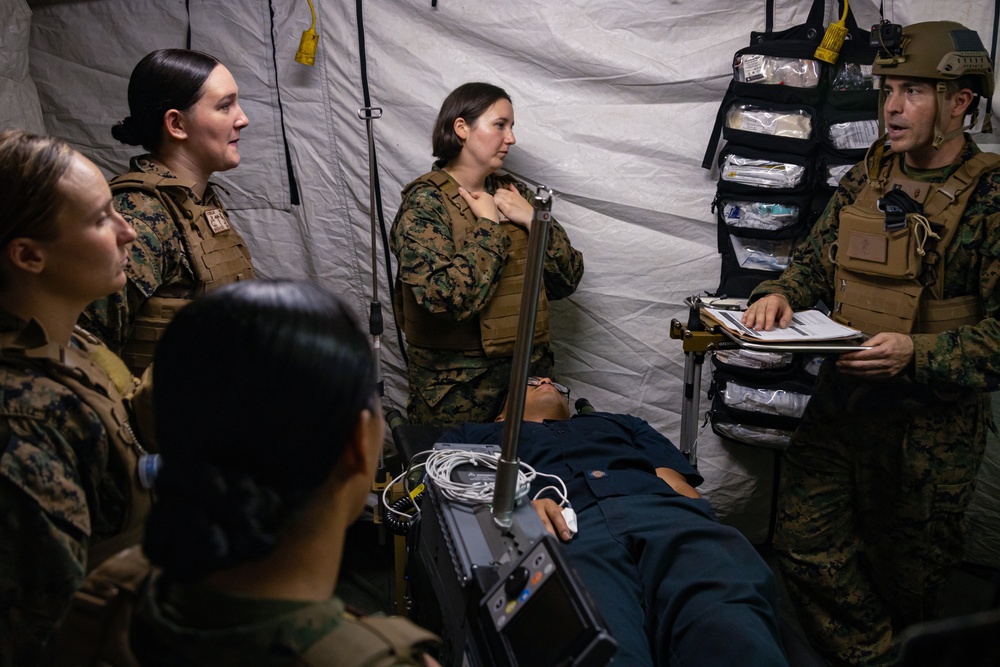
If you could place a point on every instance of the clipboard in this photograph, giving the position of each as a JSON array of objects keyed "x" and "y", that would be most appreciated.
[
  {"x": 838, "y": 340},
  {"x": 816, "y": 347}
]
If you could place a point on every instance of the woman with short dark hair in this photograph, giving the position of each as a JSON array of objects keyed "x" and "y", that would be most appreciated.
[
  {"x": 461, "y": 240},
  {"x": 69, "y": 493},
  {"x": 184, "y": 110},
  {"x": 270, "y": 429}
]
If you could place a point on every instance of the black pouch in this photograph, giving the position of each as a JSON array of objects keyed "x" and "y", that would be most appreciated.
[
  {"x": 831, "y": 166},
  {"x": 759, "y": 407},
  {"x": 756, "y": 237}
]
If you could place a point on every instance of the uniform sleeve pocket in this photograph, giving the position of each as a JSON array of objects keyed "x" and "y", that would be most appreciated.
[{"x": 48, "y": 482}]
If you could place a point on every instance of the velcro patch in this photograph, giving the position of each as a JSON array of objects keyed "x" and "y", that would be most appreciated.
[
  {"x": 869, "y": 247},
  {"x": 217, "y": 221}
]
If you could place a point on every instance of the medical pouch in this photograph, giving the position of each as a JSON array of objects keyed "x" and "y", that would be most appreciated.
[
  {"x": 787, "y": 128},
  {"x": 757, "y": 231},
  {"x": 741, "y": 361},
  {"x": 849, "y": 133},
  {"x": 772, "y": 71},
  {"x": 738, "y": 280},
  {"x": 752, "y": 171},
  {"x": 831, "y": 166},
  {"x": 849, "y": 84},
  {"x": 759, "y": 407},
  {"x": 777, "y": 217},
  {"x": 762, "y": 254},
  {"x": 749, "y": 260}
]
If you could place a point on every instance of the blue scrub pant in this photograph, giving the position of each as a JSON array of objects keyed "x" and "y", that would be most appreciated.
[{"x": 675, "y": 586}]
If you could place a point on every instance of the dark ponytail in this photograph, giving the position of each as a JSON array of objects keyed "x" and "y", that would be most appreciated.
[
  {"x": 257, "y": 388},
  {"x": 163, "y": 80}
]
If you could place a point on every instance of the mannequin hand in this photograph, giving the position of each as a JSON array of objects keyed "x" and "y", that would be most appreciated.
[
  {"x": 551, "y": 515},
  {"x": 482, "y": 204},
  {"x": 889, "y": 355},
  {"x": 513, "y": 206}
]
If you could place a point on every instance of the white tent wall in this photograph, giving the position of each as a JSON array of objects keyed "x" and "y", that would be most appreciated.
[
  {"x": 19, "y": 105},
  {"x": 614, "y": 104}
]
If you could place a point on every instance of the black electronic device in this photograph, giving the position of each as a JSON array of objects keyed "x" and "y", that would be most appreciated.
[
  {"x": 887, "y": 37},
  {"x": 540, "y": 593},
  {"x": 498, "y": 596}
]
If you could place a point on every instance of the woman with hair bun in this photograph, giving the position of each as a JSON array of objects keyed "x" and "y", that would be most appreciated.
[
  {"x": 69, "y": 491},
  {"x": 270, "y": 429},
  {"x": 184, "y": 110}
]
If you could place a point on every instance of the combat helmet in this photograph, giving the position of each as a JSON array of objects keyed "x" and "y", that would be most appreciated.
[{"x": 940, "y": 50}]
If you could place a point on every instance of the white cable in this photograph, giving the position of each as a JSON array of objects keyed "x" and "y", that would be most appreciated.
[
  {"x": 442, "y": 463},
  {"x": 560, "y": 490}
]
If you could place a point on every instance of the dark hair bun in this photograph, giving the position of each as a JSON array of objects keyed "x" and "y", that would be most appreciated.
[
  {"x": 210, "y": 519},
  {"x": 125, "y": 132}
]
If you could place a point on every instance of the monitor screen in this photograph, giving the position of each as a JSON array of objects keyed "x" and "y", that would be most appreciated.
[{"x": 547, "y": 628}]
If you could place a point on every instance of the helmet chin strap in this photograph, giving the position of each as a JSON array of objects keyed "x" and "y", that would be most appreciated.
[{"x": 940, "y": 136}]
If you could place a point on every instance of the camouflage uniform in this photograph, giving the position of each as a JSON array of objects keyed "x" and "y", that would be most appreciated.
[
  {"x": 197, "y": 625},
  {"x": 60, "y": 493},
  {"x": 160, "y": 261},
  {"x": 449, "y": 387},
  {"x": 879, "y": 474}
]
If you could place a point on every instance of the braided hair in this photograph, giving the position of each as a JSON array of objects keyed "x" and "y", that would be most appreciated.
[{"x": 257, "y": 388}]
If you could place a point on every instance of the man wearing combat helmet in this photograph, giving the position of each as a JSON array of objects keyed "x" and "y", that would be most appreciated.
[{"x": 881, "y": 470}]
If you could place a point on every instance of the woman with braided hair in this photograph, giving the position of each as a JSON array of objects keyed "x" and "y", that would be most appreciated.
[{"x": 270, "y": 431}]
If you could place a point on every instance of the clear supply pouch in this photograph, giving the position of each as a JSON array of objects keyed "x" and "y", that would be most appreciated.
[
  {"x": 849, "y": 83},
  {"x": 775, "y": 70},
  {"x": 832, "y": 173},
  {"x": 811, "y": 363},
  {"x": 765, "y": 401},
  {"x": 761, "y": 173},
  {"x": 762, "y": 254},
  {"x": 764, "y": 216},
  {"x": 754, "y": 359},
  {"x": 751, "y": 434},
  {"x": 850, "y": 76},
  {"x": 755, "y": 406},
  {"x": 792, "y": 124},
  {"x": 852, "y": 135}
]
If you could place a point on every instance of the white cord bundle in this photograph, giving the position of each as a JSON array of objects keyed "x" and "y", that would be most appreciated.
[{"x": 440, "y": 465}]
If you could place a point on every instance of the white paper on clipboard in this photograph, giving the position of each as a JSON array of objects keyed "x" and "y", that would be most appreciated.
[{"x": 807, "y": 326}]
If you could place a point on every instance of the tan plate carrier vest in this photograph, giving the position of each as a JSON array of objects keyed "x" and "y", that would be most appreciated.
[
  {"x": 216, "y": 253},
  {"x": 496, "y": 329},
  {"x": 74, "y": 369},
  {"x": 893, "y": 280}
]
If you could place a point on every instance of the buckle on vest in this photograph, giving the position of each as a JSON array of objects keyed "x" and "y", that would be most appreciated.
[{"x": 895, "y": 216}]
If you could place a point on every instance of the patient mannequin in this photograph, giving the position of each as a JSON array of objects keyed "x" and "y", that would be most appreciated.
[{"x": 667, "y": 577}]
